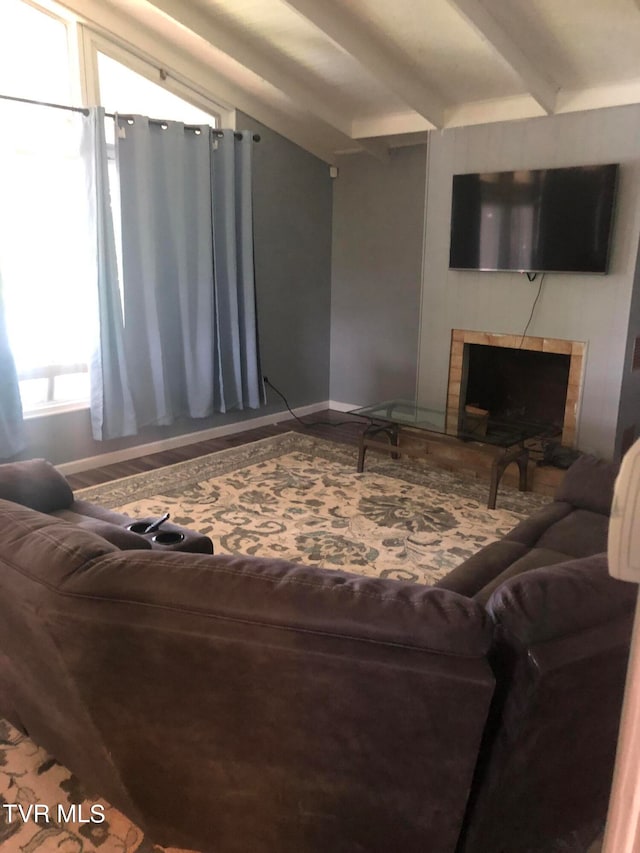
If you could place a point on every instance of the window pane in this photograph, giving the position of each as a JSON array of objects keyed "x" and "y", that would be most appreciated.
[
  {"x": 46, "y": 262},
  {"x": 67, "y": 388},
  {"x": 46, "y": 257},
  {"x": 125, "y": 91},
  {"x": 34, "y": 57},
  {"x": 33, "y": 393},
  {"x": 71, "y": 387}
]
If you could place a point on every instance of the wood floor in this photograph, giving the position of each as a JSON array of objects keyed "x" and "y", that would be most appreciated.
[
  {"x": 328, "y": 424},
  {"x": 334, "y": 426}
]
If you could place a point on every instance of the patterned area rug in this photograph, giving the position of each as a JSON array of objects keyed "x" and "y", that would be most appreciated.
[
  {"x": 300, "y": 498},
  {"x": 290, "y": 496},
  {"x": 64, "y": 822}
]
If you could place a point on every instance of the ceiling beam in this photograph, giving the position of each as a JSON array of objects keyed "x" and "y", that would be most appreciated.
[
  {"x": 269, "y": 69},
  {"x": 477, "y": 15},
  {"x": 398, "y": 76},
  {"x": 390, "y": 124},
  {"x": 600, "y": 97}
]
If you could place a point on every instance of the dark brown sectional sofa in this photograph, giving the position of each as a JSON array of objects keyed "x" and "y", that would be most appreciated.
[{"x": 233, "y": 704}]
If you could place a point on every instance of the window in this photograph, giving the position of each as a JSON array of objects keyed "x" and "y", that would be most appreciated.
[
  {"x": 124, "y": 90},
  {"x": 43, "y": 259},
  {"x": 43, "y": 71},
  {"x": 45, "y": 251}
]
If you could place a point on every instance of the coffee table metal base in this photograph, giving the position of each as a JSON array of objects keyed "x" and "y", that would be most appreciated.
[
  {"x": 519, "y": 455},
  {"x": 369, "y": 438}
]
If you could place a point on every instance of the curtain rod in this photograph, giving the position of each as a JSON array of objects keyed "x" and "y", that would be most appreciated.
[
  {"x": 45, "y": 104},
  {"x": 85, "y": 111}
]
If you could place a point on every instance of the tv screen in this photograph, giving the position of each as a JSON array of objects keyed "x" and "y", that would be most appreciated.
[{"x": 540, "y": 220}]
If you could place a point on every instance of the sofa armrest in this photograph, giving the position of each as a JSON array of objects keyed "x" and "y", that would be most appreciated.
[
  {"x": 560, "y": 659},
  {"x": 117, "y": 534},
  {"x": 36, "y": 484},
  {"x": 560, "y": 600},
  {"x": 186, "y": 539}
]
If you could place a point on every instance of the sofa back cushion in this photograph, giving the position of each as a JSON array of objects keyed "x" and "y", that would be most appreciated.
[
  {"x": 293, "y": 597},
  {"x": 35, "y": 483},
  {"x": 588, "y": 484}
]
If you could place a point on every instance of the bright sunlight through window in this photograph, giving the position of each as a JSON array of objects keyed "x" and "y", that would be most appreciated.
[
  {"x": 34, "y": 54},
  {"x": 47, "y": 260},
  {"x": 43, "y": 241},
  {"x": 125, "y": 91}
]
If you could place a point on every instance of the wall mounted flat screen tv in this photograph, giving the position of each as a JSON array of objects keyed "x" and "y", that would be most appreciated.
[{"x": 540, "y": 220}]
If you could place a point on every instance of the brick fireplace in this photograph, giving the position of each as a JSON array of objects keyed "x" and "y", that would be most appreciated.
[{"x": 516, "y": 379}]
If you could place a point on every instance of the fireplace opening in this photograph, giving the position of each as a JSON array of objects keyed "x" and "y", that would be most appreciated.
[
  {"x": 506, "y": 388},
  {"x": 537, "y": 395}
]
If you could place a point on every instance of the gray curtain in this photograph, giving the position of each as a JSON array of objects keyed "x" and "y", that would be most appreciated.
[
  {"x": 190, "y": 335},
  {"x": 240, "y": 379},
  {"x": 112, "y": 410},
  {"x": 12, "y": 433}
]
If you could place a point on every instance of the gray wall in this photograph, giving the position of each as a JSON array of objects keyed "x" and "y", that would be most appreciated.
[
  {"x": 594, "y": 309},
  {"x": 292, "y": 216},
  {"x": 378, "y": 217},
  {"x": 293, "y": 209}
]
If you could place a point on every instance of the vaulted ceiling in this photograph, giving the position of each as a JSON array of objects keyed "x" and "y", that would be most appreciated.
[{"x": 353, "y": 75}]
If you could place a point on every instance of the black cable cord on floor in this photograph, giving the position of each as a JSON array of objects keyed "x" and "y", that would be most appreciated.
[{"x": 307, "y": 423}]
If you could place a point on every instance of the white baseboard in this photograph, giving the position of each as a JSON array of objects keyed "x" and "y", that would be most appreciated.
[
  {"x": 189, "y": 438},
  {"x": 342, "y": 407}
]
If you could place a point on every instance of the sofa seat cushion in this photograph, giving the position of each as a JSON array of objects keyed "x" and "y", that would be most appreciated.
[
  {"x": 529, "y": 530},
  {"x": 471, "y": 576},
  {"x": 554, "y": 534},
  {"x": 533, "y": 558}
]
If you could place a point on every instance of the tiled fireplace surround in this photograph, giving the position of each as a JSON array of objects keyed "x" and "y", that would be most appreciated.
[{"x": 461, "y": 338}]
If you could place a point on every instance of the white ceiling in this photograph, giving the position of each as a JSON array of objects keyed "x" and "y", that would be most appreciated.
[{"x": 353, "y": 75}]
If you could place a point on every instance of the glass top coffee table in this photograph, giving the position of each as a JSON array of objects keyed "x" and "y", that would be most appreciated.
[{"x": 504, "y": 441}]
